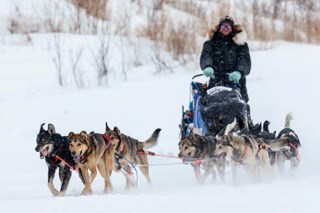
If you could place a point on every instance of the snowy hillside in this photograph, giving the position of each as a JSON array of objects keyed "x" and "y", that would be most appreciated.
[{"x": 283, "y": 80}]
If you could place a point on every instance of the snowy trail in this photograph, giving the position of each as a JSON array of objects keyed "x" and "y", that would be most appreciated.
[{"x": 283, "y": 80}]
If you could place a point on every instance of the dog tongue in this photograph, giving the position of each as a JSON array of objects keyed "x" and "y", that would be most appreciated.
[
  {"x": 43, "y": 153},
  {"x": 77, "y": 158}
]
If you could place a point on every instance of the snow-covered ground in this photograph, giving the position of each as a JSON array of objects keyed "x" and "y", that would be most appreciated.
[{"x": 284, "y": 79}]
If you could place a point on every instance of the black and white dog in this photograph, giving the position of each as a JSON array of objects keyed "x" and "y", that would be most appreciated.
[
  {"x": 53, "y": 147},
  {"x": 294, "y": 142}
]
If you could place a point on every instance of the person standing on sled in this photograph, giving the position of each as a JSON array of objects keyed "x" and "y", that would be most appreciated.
[{"x": 225, "y": 57}]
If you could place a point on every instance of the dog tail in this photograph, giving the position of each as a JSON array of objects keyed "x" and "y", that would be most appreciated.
[
  {"x": 288, "y": 120},
  {"x": 153, "y": 140},
  {"x": 280, "y": 144}
]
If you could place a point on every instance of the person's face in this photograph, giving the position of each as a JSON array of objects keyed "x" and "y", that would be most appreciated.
[{"x": 225, "y": 28}]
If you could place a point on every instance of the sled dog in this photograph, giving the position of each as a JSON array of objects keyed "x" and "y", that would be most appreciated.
[
  {"x": 293, "y": 142},
  {"x": 196, "y": 148},
  {"x": 130, "y": 150},
  {"x": 91, "y": 152},
  {"x": 249, "y": 150},
  {"x": 51, "y": 145}
]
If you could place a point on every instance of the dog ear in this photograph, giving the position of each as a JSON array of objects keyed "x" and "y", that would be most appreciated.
[
  {"x": 230, "y": 135},
  {"x": 41, "y": 127},
  {"x": 183, "y": 136},
  {"x": 51, "y": 129},
  {"x": 192, "y": 136},
  {"x": 117, "y": 130},
  {"x": 107, "y": 127},
  {"x": 70, "y": 135},
  {"x": 83, "y": 133}
]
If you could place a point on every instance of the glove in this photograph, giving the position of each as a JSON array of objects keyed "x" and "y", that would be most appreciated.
[
  {"x": 209, "y": 72},
  {"x": 235, "y": 76}
]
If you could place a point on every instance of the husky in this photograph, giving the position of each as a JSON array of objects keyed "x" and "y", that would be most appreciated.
[
  {"x": 130, "y": 150},
  {"x": 199, "y": 150},
  {"x": 91, "y": 152},
  {"x": 279, "y": 157},
  {"x": 53, "y": 146},
  {"x": 293, "y": 141}
]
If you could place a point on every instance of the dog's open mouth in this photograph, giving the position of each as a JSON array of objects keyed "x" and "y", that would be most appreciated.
[
  {"x": 44, "y": 151},
  {"x": 77, "y": 157},
  {"x": 186, "y": 159}
]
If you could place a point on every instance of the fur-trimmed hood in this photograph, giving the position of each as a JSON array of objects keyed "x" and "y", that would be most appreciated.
[{"x": 240, "y": 35}]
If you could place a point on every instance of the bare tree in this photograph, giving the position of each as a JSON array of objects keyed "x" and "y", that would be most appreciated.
[
  {"x": 56, "y": 56},
  {"x": 101, "y": 58},
  {"x": 54, "y": 20},
  {"x": 76, "y": 19},
  {"x": 13, "y": 26},
  {"x": 159, "y": 62},
  {"x": 158, "y": 4},
  {"x": 122, "y": 51},
  {"x": 276, "y": 8},
  {"x": 75, "y": 59},
  {"x": 136, "y": 57}
]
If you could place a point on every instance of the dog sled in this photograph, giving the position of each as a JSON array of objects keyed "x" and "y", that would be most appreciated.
[{"x": 211, "y": 110}]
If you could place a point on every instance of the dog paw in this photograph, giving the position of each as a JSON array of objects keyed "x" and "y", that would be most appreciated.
[
  {"x": 86, "y": 192},
  {"x": 55, "y": 192}
]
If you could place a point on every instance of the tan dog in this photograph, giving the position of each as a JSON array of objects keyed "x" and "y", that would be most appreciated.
[
  {"x": 130, "y": 149},
  {"x": 91, "y": 152}
]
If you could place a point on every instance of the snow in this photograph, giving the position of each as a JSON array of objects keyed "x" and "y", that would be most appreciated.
[{"x": 284, "y": 79}]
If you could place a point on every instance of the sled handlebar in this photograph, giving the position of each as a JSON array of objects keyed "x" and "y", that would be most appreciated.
[
  {"x": 196, "y": 76},
  {"x": 230, "y": 84}
]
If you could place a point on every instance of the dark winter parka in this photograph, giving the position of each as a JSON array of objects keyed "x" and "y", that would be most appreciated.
[{"x": 226, "y": 54}]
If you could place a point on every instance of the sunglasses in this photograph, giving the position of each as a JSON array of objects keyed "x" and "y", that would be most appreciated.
[{"x": 222, "y": 26}]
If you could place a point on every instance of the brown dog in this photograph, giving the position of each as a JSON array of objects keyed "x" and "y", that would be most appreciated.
[
  {"x": 92, "y": 151},
  {"x": 130, "y": 149}
]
